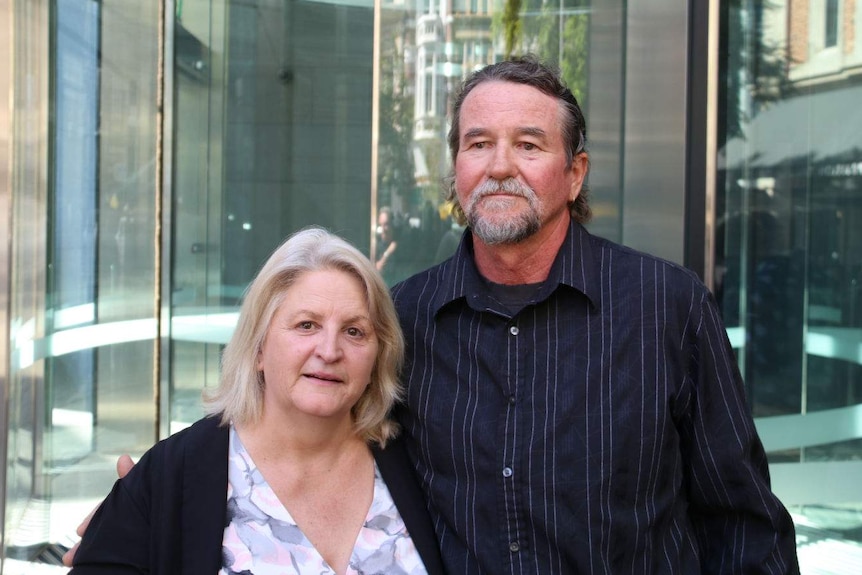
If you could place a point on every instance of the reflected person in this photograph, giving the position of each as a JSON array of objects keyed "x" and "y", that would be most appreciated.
[{"x": 387, "y": 244}]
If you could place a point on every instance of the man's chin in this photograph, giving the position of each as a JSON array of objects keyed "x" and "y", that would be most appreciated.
[{"x": 502, "y": 234}]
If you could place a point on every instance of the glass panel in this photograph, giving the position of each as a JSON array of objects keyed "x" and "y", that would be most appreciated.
[
  {"x": 200, "y": 41},
  {"x": 273, "y": 106},
  {"x": 789, "y": 238},
  {"x": 121, "y": 203},
  {"x": 83, "y": 286}
]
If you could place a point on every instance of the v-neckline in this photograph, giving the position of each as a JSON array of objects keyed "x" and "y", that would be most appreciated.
[{"x": 268, "y": 502}]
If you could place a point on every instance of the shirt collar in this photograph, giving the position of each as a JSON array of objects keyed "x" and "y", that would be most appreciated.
[{"x": 573, "y": 267}]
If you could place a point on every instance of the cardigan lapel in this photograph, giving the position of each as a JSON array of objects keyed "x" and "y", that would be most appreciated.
[
  {"x": 400, "y": 477},
  {"x": 205, "y": 498}
]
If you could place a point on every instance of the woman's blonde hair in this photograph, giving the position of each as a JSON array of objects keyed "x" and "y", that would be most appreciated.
[{"x": 239, "y": 396}]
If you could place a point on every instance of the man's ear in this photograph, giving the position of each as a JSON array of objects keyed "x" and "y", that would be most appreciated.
[{"x": 580, "y": 165}]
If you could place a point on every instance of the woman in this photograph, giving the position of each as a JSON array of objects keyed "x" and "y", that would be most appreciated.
[{"x": 295, "y": 469}]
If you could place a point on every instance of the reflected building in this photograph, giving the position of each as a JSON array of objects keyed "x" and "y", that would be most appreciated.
[{"x": 790, "y": 198}]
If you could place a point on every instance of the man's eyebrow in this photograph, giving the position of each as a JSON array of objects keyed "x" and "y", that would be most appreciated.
[
  {"x": 532, "y": 131},
  {"x": 474, "y": 133},
  {"x": 524, "y": 131}
]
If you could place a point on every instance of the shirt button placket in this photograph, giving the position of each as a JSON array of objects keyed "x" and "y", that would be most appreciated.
[
  {"x": 514, "y": 331},
  {"x": 514, "y": 546}
]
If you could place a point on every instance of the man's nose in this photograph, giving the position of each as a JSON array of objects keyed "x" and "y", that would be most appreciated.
[{"x": 502, "y": 164}]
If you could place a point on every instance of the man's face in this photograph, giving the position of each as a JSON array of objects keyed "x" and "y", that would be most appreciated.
[{"x": 510, "y": 171}]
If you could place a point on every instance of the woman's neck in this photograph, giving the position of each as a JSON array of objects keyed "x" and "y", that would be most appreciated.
[{"x": 300, "y": 442}]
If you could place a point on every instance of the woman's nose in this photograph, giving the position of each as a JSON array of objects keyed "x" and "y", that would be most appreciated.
[{"x": 329, "y": 346}]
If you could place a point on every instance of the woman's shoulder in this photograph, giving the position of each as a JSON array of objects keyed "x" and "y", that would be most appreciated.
[
  {"x": 207, "y": 435},
  {"x": 395, "y": 451}
]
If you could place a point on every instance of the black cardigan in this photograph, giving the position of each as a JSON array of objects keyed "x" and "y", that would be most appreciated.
[{"x": 168, "y": 514}]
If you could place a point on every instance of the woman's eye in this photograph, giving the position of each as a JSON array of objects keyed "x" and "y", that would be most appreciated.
[
  {"x": 306, "y": 325},
  {"x": 354, "y": 332}
]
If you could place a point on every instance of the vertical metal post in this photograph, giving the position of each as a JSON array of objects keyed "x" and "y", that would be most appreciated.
[
  {"x": 375, "y": 124},
  {"x": 711, "y": 148},
  {"x": 6, "y": 71}
]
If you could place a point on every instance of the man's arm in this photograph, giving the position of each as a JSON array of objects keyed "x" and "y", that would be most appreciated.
[
  {"x": 740, "y": 524},
  {"x": 124, "y": 465}
]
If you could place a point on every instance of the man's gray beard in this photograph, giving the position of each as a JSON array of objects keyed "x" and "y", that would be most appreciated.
[{"x": 511, "y": 231}]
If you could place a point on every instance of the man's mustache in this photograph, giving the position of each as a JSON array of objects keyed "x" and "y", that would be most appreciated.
[{"x": 509, "y": 186}]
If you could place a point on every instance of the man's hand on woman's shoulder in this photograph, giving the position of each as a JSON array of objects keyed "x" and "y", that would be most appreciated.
[{"x": 124, "y": 465}]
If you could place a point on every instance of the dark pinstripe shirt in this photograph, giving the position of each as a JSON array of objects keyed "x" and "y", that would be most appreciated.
[{"x": 601, "y": 429}]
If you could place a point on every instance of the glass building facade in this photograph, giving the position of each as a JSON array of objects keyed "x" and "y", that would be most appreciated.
[{"x": 152, "y": 154}]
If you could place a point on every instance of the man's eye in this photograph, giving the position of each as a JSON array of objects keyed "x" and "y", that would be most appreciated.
[{"x": 529, "y": 146}]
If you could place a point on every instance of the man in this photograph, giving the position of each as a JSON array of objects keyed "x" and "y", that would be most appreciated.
[
  {"x": 573, "y": 405},
  {"x": 386, "y": 244}
]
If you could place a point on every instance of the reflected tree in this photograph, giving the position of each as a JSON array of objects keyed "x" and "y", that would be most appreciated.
[
  {"x": 557, "y": 33},
  {"x": 395, "y": 159},
  {"x": 754, "y": 64}
]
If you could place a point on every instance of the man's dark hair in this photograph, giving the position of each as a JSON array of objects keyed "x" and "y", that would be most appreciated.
[{"x": 529, "y": 71}]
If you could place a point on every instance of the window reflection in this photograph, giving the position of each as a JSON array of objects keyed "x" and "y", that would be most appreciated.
[{"x": 789, "y": 236}]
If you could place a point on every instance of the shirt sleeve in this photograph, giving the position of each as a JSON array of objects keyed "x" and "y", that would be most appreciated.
[{"x": 740, "y": 525}]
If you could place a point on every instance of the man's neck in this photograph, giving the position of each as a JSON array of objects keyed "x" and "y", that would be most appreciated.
[{"x": 526, "y": 262}]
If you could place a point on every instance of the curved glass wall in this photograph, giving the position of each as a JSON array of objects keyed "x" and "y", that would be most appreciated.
[
  {"x": 789, "y": 239},
  {"x": 82, "y": 283}
]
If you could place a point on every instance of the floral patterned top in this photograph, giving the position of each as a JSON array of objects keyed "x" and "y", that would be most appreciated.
[{"x": 261, "y": 538}]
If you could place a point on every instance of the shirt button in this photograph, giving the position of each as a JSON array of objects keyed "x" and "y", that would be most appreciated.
[
  {"x": 514, "y": 330},
  {"x": 514, "y": 547},
  {"x": 507, "y": 472},
  {"x": 512, "y": 400}
]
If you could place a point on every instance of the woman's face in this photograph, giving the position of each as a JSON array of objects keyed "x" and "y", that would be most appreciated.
[{"x": 320, "y": 349}]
